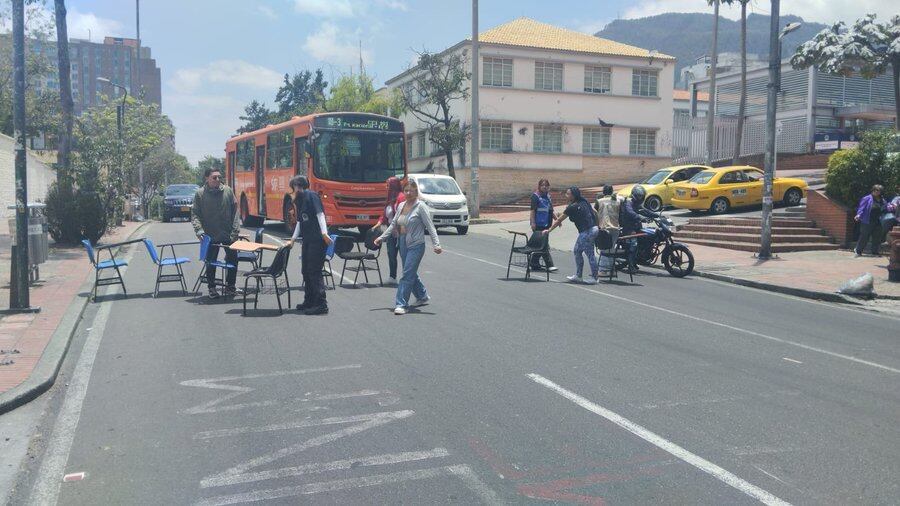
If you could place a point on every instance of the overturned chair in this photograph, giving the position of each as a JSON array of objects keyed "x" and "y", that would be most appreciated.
[{"x": 521, "y": 256}]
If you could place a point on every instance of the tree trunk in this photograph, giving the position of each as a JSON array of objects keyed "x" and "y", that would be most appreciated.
[
  {"x": 896, "y": 67},
  {"x": 450, "y": 169},
  {"x": 64, "y": 153},
  {"x": 714, "y": 58},
  {"x": 742, "y": 108}
]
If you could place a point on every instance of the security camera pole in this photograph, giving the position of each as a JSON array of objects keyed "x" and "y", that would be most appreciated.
[{"x": 476, "y": 201}]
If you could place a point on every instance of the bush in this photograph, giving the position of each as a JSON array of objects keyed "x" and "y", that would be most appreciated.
[
  {"x": 852, "y": 172},
  {"x": 91, "y": 216},
  {"x": 74, "y": 215}
]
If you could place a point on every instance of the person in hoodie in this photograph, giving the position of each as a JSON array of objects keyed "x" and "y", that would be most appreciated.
[
  {"x": 582, "y": 215},
  {"x": 214, "y": 213}
]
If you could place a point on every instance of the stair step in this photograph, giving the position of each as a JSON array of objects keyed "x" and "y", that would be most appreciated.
[
  {"x": 752, "y": 229},
  {"x": 776, "y": 248},
  {"x": 777, "y": 221},
  {"x": 504, "y": 208},
  {"x": 752, "y": 238}
]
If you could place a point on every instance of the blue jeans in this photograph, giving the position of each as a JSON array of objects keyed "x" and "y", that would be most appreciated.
[
  {"x": 410, "y": 283},
  {"x": 585, "y": 244}
]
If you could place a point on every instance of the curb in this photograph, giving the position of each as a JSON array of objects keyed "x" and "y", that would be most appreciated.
[
  {"x": 796, "y": 292},
  {"x": 43, "y": 376}
]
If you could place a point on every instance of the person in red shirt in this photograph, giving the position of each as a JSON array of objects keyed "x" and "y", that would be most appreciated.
[{"x": 394, "y": 197}]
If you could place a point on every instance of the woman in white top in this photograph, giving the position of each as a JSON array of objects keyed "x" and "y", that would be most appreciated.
[
  {"x": 410, "y": 222},
  {"x": 394, "y": 198}
]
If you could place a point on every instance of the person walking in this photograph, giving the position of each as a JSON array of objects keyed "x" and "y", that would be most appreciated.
[
  {"x": 410, "y": 222},
  {"x": 868, "y": 214},
  {"x": 214, "y": 213},
  {"x": 542, "y": 215},
  {"x": 313, "y": 230},
  {"x": 394, "y": 197},
  {"x": 582, "y": 215},
  {"x": 608, "y": 206}
]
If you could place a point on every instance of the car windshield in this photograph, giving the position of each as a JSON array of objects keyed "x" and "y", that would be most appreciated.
[
  {"x": 657, "y": 177},
  {"x": 438, "y": 186},
  {"x": 358, "y": 157},
  {"x": 182, "y": 190},
  {"x": 702, "y": 177}
]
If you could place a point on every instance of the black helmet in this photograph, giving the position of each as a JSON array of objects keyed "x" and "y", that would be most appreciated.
[{"x": 638, "y": 194}]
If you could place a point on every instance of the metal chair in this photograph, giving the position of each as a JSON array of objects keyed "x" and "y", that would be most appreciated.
[
  {"x": 277, "y": 271},
  {"x": 99, "y": 266},
  {"x": 521, "y": 256},
  {"x": 344, "y": 250},
  {"x": 252, "y": 257},
  {"x": 616, "y": 251},
  {"x": 205, "y": 242},
  {"x": 173, "y": 261},
  {"x": 329, "y": 254}
]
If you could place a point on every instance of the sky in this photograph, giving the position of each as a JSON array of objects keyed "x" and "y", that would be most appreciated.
[{"x": 216, "y": 56}]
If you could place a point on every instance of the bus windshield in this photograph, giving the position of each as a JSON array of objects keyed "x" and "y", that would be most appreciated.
[{"x": 358, "y": 157}]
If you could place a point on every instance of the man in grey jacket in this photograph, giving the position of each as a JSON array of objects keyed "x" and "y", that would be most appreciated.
[{"x": 215, "y": 214}]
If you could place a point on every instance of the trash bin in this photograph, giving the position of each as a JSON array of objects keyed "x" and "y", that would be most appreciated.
[{"x": 38, "y": 243}]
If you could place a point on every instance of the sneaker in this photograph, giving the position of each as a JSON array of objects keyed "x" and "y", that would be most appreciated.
[
  {"x": 213, "y": 293},
  {"x": 553, "y": 269},
  {"x": 399, "y": 310},
  {"x": 231, "y": 291},
  {"x": 420, "y": 302},
  {"x": 590, "y": 281},
  {"x": 392, "y": 281},
  {"x": 317, "y": 310},
  {"x": 574, "y": 279}
]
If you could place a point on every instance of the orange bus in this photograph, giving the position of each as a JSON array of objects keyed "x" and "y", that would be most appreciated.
[{"x": 346, "y": 156}]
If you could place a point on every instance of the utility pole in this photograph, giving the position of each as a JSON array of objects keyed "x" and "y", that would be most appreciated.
[
  {"x": 137, "y": 14},
  {"x": 713, "y": 63},
  {"x": 765, "y": 240},
  {"x": 474, "y": 211},
  {"x": 18, "y": 287}
]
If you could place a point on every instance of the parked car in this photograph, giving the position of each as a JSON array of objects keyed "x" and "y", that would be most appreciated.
[
  {"x": 445, "y": 202},
  {"x": 661, "y": 184},
  {"x": 177, "y": 201},
  {"x": 720, "y": 189}
]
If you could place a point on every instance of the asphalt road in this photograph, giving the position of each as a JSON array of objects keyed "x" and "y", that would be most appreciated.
[{"x": 666, "y": 391}]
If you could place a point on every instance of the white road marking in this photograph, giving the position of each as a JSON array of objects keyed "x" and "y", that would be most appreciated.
[
  {"x": 236, "y": 390},
  {"x": 706, "y": 321},
  {"x": 312, "y": 422},
  {"x": 46, "y": 485},
  {"x": 463, "y": 472},
  {"x": 321, "y": 467},
  {"x": 664, "y": 444},
  {"x": 791, "y": 360},
  {"x": 370, "y": 421}
]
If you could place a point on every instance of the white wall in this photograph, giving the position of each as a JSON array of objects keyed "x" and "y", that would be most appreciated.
[{"x": 40, "y": 177}]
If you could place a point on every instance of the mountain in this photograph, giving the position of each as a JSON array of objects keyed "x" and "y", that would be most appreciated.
[{"x": 689, "y": 36}]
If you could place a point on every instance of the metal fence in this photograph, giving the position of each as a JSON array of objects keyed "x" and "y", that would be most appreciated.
[{"x": 689, "y": 138}]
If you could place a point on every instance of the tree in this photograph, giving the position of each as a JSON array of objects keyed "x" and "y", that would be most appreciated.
[
  {"x": 713, "y": 62},
  {"x": 210, "y": 162},
  {"x": 300, "y": 94},
  {"x": 356, "y": 93},
  {"x": 742, "y": 107},
  {"x": 868, "y": 48},
  {"x": 256, "y": 116},
  {"x": 437, "y": 81},
  {"x": 64, "y": 161}
]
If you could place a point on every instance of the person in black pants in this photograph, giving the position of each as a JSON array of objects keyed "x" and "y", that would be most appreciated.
[
  {"x": 542, "y": 216},
  {"x": 312, "y": 228}
]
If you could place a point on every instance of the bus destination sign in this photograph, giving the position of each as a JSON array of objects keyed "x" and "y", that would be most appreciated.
[{"x": 357, "y": 123}]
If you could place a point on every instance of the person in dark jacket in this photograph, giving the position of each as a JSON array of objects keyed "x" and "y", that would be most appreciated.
[
  {"x": 312, "y": 228},
  {"x": 868, "y": 214},
  {"x": 585, "y": 219},
  {"x": 630, "y": 220},
  {"x": 214, "y": 213},
  {"x": 542, "y": 215}
]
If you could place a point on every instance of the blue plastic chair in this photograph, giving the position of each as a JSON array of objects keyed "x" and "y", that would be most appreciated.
[
  {"x": 205, "y": 242},
  {"x": 172, "y": 261},
  {"x": 112, "y": 263},
  {"x": 253, "y": 257}
]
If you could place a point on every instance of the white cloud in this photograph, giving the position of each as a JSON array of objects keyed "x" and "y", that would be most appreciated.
[
  {"x": 325, "y": 8},
  {"x": 81, "y": 25},
  {"x": 396, "y": 5},
  {"x": 267, "y": 11},
  {"x": 203, "y": 122},
  {"x": 329, "y": 45},
  {"x": 233, "y": 72},
  {"x": 822, "y": 11}
]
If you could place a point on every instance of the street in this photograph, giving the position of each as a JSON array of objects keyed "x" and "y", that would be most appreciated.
[{"x": 670, "y": 391}]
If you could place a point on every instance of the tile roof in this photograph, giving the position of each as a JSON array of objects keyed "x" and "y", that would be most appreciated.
[{"x": 527, "y": 32}]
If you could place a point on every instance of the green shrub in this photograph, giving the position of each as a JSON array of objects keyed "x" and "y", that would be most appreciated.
[
  {"x": 62, "y": 216},
  {"x": 852, "y": 172},
  {"x": 91, "y": 216}
]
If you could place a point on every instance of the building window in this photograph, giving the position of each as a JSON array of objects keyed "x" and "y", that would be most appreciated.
[
  {"x": 596, "y": 141},
  {"x": 642, "y": 142},
  {"x": 597, "y": 79},
  {"x": 496, "y": 136},
  {"x": 548, "y": 76},
  {"x": 548, "y": 139},
  {"x": 643, "y": 83},
  {"x": 420, "y": 144},
  {"x": 497, "y": 71}
]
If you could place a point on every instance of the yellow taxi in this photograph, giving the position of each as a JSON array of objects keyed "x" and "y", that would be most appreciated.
[
  {"x": 720, "y": 189},
  {"x": 661, "y": 184}
]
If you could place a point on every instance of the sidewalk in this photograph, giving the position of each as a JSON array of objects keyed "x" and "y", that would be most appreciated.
[
  {"x": 24, "y": 337},
  {"x": 810, "y": 274}
]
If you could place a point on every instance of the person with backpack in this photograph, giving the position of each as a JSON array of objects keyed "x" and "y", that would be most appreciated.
[
  {"x": 582, "y": 215},
  {"x": 394, "y": 197},
  {"x": 542, "y": 216},
  {"x": 312, "y": 228}
]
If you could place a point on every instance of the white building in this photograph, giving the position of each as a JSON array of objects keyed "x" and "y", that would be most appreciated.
[
  {"x": 40, "y": 177},
  {"x": 556, "y": 103},
  {"x": 682, "y": 121}
]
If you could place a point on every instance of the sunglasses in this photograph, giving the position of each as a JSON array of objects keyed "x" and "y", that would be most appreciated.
[{"x": 216, "y": 177}]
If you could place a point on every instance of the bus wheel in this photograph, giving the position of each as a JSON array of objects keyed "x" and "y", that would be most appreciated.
[{"x": 290, "y": 216}]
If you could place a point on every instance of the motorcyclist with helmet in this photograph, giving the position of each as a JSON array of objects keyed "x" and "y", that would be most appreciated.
[{"x": 630, "y": 220}]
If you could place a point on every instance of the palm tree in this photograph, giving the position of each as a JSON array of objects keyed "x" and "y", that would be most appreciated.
[
  {"x": 714, "y": 58},
  {"x": 739, "y": 133}
]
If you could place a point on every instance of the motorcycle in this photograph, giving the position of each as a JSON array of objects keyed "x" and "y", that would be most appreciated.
[{"x": 658, "y": 243}]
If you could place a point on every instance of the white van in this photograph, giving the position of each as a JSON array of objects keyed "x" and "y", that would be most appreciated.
[{"x": 444, "y": 200}]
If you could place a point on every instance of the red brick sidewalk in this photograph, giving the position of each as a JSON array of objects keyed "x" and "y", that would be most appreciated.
[{"x": 23, "y": 337}]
